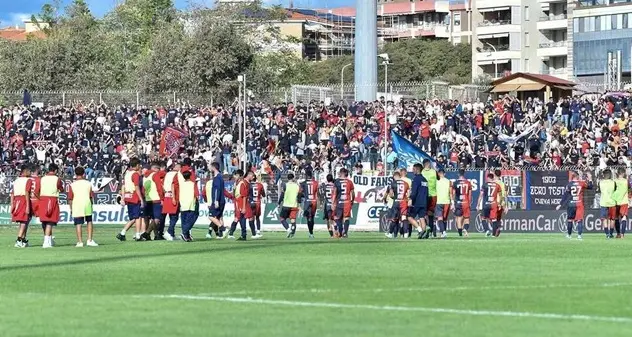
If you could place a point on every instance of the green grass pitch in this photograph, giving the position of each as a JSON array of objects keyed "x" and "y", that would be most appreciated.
[{"x": 516, "y": 285}]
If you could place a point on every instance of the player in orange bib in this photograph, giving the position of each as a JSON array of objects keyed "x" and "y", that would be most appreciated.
[
  {"x": 50, "y": 187},
  {"x": 21, "y": 205}
]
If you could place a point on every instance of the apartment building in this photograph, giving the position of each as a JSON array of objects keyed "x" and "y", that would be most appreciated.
[
  {"x": 506, "y": 38},
  {"x": 408, "y": 19},
  {"x": 599, "y": 27},
  {"x": 553, "y": 43},
  {"x": 405, "y": 19}
]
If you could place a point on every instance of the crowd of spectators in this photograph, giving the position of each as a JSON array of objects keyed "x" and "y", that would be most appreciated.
[{"x": 575, "y": 131}]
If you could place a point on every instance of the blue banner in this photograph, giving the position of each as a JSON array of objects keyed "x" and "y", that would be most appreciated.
[
  {"x": 408, "y": 153},
  {"x": 545, "y": 189}
]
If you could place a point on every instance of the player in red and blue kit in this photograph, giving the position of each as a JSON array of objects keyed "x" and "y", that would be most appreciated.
[
  {"x": 329, "y": 190},
  {"x": 257, "y": 192},
  {"x": 574, "y": 198},
  {"x": 488, "y": 202},
  {"x": 344, "y": 200},
  {"x": 462, "y": 198},
  {"x": 310, "y": 201},
  {"x": 398, "y": 191}
]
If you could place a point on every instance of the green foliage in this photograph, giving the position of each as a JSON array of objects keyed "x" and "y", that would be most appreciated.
[
  {"x": 329, "y": 71},
  {"x": 148, "y": 45},
  {"x": 413, "y": 60},
  {"x": 145, "y": 45}
]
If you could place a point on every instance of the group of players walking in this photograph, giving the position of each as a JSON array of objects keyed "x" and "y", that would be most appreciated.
[
  {"x": 425, "y": 203},
  {"x": 613, "y": 201}
]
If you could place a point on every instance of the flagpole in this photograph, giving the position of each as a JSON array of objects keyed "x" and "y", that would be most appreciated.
[
  {"x": 243, "y": 144},
  {"x": 385, "y": 141}
]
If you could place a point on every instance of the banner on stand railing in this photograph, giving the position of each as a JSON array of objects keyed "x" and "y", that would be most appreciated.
[
  {"x": 545, "y": 189},
  {"x": 370, "y": 188}
]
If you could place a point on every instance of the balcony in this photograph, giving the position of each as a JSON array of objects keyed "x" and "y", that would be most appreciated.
[
  {"x": 485, "y": 56},
  {"x": 495, "y": 5},
  {"x": 552, "y": 49},
  {"x": 490, "y": 27},
  {"x": 551, "y": 22},
  {"x": 423, "y": 29},
  {"x": 591, "y": 3},
  {"x": 559, "y": 73}
]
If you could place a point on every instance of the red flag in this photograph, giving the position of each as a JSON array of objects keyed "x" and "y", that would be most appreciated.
[
  {"x": 171, "y": 141},
  {"x": 37, "y": 126}
]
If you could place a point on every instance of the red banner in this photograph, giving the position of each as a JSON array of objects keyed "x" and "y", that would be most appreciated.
[{"x": 171, "y": 141}]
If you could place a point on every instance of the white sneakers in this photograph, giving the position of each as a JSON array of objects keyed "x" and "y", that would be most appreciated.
[
  {"x": 90, "y": 243},
  {"x": 168, "y": 237},
  {"x": 257, "y": 236},
  {"x": 209, "y": 236}
]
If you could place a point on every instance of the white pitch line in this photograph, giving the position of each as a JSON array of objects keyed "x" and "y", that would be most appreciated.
[
  {"x": 248, "y": 300},
  {"x": 425, "y": 289}
]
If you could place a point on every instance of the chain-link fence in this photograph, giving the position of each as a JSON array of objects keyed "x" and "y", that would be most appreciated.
[
  {"x": 395, "y": 92},
  {"x": 328, "y": 93},
  {"x": 115, "y": 98}
]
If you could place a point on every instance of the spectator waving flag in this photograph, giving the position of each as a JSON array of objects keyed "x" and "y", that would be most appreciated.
[
  {"x": 511, "y": 140},
  {"x": 171, "y": 141},
  {"x": 407, "y": 152}
]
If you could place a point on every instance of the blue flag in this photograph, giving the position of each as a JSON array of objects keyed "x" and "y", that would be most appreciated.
[{"x": 407, "y": 152}]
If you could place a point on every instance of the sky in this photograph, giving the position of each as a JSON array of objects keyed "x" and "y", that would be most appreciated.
[{"x": 14, "y": 12}]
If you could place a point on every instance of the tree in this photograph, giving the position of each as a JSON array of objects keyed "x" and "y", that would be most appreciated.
[{"x": 272, "y": 71}]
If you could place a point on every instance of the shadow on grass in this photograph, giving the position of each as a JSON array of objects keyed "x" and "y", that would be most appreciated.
[{"x": 245, "y": 247}]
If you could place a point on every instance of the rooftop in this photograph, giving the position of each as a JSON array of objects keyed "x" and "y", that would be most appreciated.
[{"x": 19, "y": 34}]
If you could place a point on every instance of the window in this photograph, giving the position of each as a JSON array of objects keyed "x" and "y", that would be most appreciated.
[
  {"x": 620, "y": 21},
  {"x": 576, "y": 25},
  {"x": 526, "y": 39},
  {"x": 624, "y": 21},
  {"x": 590, "y": 24},
  {"x": 457, "y": 19},
  {"x": 607, "y": 22},
  {"x": 613, "y": 19},
  {"x": 526, "y": 13},
  {"x": 526, "y": 65},
  {"x": 597, "y": 23},
  {"x": 581, "y": 25}
]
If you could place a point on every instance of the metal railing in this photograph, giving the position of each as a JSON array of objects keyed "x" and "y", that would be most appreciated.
[
  {"x": 561, "y": 71},
  {"x": 486, "y": 23},
  {"x": 552, "y": 17},
  {"x": 329, "y": 93},
  {"x": 590, "y": 3},
  {"x": 500, "y": 47},
  {"x": 553, "y": 44},
  {"x": 395, "y": 91}
]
